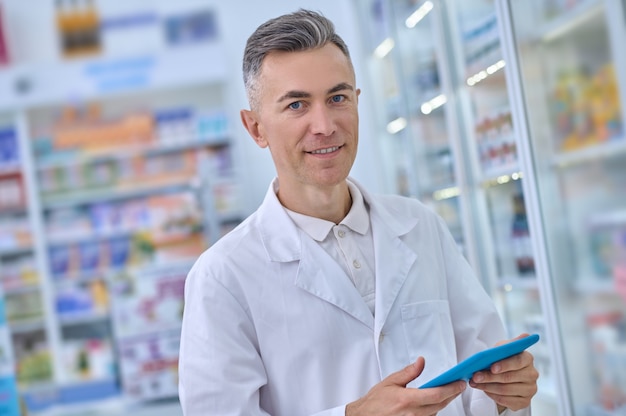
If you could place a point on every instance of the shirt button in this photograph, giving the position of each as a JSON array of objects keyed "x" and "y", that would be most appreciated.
[
  {"x": 356, "y": 264},
  {"x": 341, "y": 233}
]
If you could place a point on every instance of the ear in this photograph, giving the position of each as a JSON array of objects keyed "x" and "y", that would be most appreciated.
[{"x": 250, "y": 121}]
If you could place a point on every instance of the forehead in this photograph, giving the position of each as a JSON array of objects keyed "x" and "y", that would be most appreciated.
[{"x": 309, "y": 71}]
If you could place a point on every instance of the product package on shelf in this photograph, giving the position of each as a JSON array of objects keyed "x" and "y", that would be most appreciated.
[
  {"x": 78, "y": 24},
  {"x": 15, "y": 232},
  {"x": 147, "y": 311},
  {"x": 9, "y": 402},
  {"x": 32, "y": 358},
  {"x": 111, "y": 235},
  {"x": 482, "y": 47},
  {"x": 87, "y": 299},
  {"x": 520, "y": 238},
  {"x": 149, "y": 366},
  {"x": 585, "y": 108},
  {"x": 19, "y": 272},
  {"x": 88, "y": 359},
  {"x": 148, "y": 301},
  {"x": 190, "y": 27},
  {"x": 24, "y": 306},
  {"x": 9, "y": 150},
  {"x": 608, "y": 348},
  {"x": 12, "y": 193},
  {"x": 496, "y": 142}
]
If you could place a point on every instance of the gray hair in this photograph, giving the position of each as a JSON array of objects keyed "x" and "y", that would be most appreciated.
[{"x": 298, "y": 31}]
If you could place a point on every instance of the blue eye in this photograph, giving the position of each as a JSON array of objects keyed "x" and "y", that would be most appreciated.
[
  {"x": 295, "y": 105},
  {"x": 337, "y": 98}
]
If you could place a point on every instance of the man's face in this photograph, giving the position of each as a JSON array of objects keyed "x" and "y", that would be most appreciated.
[{"x": 307, "y": 116}]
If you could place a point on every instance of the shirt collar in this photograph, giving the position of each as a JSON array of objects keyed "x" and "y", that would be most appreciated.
[{"x": 357, "y": 219}]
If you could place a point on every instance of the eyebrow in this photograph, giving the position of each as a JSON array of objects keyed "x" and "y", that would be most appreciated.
[{"x": 302, "y": 94}]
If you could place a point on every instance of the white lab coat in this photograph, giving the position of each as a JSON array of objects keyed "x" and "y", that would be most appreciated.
[{"x": 273, "y": 326}]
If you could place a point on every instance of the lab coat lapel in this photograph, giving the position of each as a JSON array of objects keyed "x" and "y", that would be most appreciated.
[
  {"x": 393, "y": 257},
  {"x": 317, "y": 272},
  {"x": 393, "y": 261},
  {"x": 320, "y": 275}
]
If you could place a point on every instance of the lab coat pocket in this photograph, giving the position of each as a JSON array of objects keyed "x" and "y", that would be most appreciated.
[{"x": 428, "y": 333}]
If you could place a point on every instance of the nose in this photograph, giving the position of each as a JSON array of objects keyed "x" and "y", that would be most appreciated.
[{"x": 322, "y": 120}]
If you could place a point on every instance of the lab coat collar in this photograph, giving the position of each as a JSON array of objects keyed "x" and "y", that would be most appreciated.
[
  {"x": 279, "y": 233},
  {"x": 283, "y": 242}
]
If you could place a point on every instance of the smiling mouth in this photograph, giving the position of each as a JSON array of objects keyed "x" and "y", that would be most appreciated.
[{"x": 324, "y": 151}]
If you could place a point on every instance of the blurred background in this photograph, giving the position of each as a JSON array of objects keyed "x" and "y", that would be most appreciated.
[{"x": 122, "y": 158}]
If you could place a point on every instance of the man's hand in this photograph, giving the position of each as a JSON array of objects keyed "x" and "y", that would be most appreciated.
[
  {"x": 511, "y": 383},
  {"x": 390, "y": 397}
]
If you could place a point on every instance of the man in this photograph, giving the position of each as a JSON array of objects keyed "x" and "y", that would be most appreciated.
[{"x": 328, "y": 300}]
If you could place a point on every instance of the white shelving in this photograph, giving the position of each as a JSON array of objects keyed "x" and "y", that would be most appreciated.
[
  {"x": 614, "y": 148},
  {"x": 114, "y": 214},
  {"x": 568, "y": 22}
]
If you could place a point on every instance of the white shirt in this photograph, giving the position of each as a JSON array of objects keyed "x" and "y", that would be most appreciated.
[{"x": 350, "y": 243}]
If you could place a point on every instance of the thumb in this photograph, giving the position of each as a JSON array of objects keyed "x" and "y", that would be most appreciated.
[{"x": 407, "y": 374}]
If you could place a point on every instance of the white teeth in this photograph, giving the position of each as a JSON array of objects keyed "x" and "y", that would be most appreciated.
[{"x": 323, "y": 151}]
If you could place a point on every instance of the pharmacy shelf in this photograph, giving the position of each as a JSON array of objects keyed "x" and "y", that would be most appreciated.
[
  {"x": 496, "y": 175},
  {"x": 21, "y": 289},
  {"x": 128, "y": 152},
  {"x": 88, "y": 236},
  {"x": 589, "y": 286},
  {"x": 15, "y": 251},
  {"x": 83, "y": 318},
  {"x": 608, "y": 219},
  {"x": 10, "y": 169},
  {"x": 71, "y": 199},
  {"x": 94, "y": 236},
  {"x": 602, "y": 151},
  {"x": 26, "y": 325},
  {"x": 570, "y": 21},
  {"x": 190, "y": 77},
  {"x": 527, "y": 282}
]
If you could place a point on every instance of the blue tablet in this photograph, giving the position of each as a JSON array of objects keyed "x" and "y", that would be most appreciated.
[{"x": 481, "y": 361}]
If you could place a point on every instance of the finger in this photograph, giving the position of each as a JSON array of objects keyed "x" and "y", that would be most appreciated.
[
  {"x": 519, "y": 368},
  {"x": 514, "y": 396},
  {"x": 506, "y": 341},
  {"x": 442, "y": 393},
  {"x": 407, "y": 374},
  {"x": 511, "y": 389},
  {"x": 512, "y": 402},
  {"x": 516, "y": 362},
  {"x": 436, "y": 398}
]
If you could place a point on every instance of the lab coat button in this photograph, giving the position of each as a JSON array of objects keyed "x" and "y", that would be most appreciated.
[
  {"x": 356, "y": 264},
  {"x": 381, "y": 337}
]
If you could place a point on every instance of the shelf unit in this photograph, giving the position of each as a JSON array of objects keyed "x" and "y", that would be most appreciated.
[
  {"x": 129, "y": 175},
  {"x": 491, "y": 142},
  {"x": 458, "y": 152},
  {"x": 567, "y": 70}
]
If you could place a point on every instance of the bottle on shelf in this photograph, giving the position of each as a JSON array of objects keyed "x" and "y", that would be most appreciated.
[
  {"x": 520, "y": 236},
  {"x": 79, "y": 27}
]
